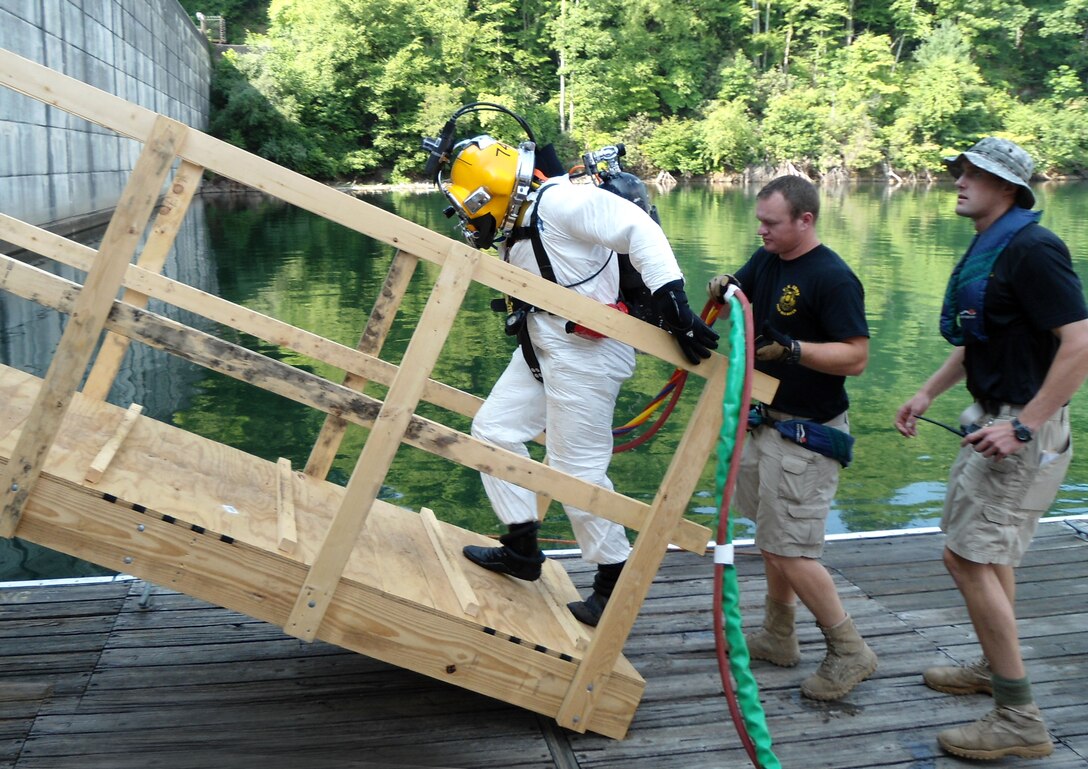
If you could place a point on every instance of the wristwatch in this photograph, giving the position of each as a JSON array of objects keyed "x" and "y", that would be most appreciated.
[{"x": 1022, "y": 432}]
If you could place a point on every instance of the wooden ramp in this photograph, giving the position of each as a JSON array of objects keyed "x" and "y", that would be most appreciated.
[{"x": 321, "y": 561}]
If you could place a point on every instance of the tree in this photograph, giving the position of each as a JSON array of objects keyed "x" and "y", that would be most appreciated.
[
  {"x": 729, "y": 136},
  {"x": 339, "y": 88},
  {"x": 944, "y": 103},
  {"x": 793, "y": 127},
  {"x": 677, "y": 145}
]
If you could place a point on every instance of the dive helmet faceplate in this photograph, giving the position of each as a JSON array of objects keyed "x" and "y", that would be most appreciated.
[{"x": 488, "y": 183}]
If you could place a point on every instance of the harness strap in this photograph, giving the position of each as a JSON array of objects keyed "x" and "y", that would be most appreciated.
[{"x": 544, "y": 264}]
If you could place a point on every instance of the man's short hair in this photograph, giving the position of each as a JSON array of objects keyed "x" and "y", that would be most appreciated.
[{"x": 800, "y": 194}]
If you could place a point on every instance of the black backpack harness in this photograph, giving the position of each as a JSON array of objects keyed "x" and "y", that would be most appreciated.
[{"x": 633, "y": 291}]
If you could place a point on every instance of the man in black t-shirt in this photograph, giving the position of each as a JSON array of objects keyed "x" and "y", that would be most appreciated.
[
  {"x": 809, "y": 310},
  {"x": 1015, "y": 313}
]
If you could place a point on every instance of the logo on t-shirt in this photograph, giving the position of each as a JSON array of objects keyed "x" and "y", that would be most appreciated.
[{"x": 787, "y": 303}]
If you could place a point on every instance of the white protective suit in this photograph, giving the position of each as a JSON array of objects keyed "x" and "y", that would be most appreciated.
[{"x": 582, "y": 227}]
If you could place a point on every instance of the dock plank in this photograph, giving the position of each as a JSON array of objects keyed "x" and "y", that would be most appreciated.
[{"x": 180, "y": 683}]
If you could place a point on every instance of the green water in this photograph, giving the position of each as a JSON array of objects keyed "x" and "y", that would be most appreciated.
[{"x": 322, "y": 277}]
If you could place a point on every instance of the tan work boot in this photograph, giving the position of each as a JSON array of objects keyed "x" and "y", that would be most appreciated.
[
  {"x": 1007, "y": 730},
  {"x": 776, "y": 641},
  {"x": 849, "y": 661},
  {"x": 961, "y": 679}
]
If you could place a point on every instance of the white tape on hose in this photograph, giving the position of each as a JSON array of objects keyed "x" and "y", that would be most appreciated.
[{"x": 724, "y": 554}]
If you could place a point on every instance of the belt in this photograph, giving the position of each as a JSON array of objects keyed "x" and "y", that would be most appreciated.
[
  {"x": 782, "y": 416},
  {"x": 998, "y": 409}
]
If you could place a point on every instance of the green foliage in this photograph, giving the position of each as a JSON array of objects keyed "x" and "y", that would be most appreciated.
[
  {"x": 944, "y": 103},
  {"x": 677, "y": 145},
  {"x": 793, "y": 126},
  {"x": 1056, "y": 136},
  {"x": 346, "y": 88},
  {"x": 729, "y": 136},
  {"x": 250, "y": 111}
]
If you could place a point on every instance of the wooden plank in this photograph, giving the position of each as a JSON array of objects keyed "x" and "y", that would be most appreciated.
[
  {"x": 374, "y": 335},
  {"x": 160, "y": 240},
  {"x": 285, "y": 507},
  {"x": 107, "y": 452},
  {"x": 10, "y": 418},
  {"x": 558, "y": 593},
  {"x": 389, "y": 428},
  {"x": 24, "y": 691},
  {"x": 282, "y": 379},
  {"x": 260, "y": 583},
  {"x": 88, "y": 318},
  {"x": 650, "y": 547},
  {"x": 543, "y": 499},
  {"x": 451, "y": 566},
  {"x": 107, "y": 110},
  {"x": 243, "y": 319},
  {"x": 407, "y": 570}
]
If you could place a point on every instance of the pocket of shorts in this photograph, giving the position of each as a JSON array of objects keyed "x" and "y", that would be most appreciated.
[
  {"x": 1003, "y": 517},
  {"x": 1004, "y": 481},
  {"x": 806, "y": 512},
  {"x": 1046, "y": 482},
  {"x": 795, "y": 479}
]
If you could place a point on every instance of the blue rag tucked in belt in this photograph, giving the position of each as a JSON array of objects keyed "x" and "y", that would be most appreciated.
[{"x": 814, "y": 436}]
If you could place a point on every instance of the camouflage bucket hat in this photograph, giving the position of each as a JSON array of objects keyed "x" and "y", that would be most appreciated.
[{"x": 1002, "y": 158}]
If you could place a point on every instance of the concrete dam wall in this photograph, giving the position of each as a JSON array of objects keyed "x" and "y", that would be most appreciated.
[{"x": 55, "y": 167}]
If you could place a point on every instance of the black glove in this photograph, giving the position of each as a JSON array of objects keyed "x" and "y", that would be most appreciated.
[
  {"x": 773, "y": 345},
  {"x": 717, "y": 287},
  {"x": 696, "y": 339}
]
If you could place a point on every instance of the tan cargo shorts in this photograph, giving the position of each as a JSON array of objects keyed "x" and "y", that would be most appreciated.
[
  {"x": 787, "y": 490},
  {"x": 993, "y": 506}
]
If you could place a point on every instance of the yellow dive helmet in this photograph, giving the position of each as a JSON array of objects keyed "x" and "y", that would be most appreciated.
[{"x": 488, "y": 183}]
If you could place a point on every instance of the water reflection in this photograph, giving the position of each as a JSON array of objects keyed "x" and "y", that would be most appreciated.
[{"x": 322, "y": 277}]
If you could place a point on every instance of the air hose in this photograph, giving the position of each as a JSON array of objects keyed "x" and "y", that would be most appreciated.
[
  {"x": 671, "y": 391},
  {"x": 744, "y": 705}
]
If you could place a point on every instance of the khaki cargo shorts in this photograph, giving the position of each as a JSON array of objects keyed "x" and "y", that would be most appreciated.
[
  {"x": 992, "y": 507},
  {"x": 787, "y": 490}
]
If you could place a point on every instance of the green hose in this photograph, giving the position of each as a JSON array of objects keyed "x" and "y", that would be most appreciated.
[{"x": 752, "y": 728}]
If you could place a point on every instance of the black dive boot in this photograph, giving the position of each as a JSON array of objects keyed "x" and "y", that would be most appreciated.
[
  {"x": 519, "y": 556},
  {"x": 590, "y": 610}
]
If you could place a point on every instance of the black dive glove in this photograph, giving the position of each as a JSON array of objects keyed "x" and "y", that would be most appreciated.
[
  {"x": 773, "y": 345},
  {"x": 696, "y": 339}
]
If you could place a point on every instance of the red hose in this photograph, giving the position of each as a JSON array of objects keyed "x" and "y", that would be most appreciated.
[{"x": 673, "y": 398}]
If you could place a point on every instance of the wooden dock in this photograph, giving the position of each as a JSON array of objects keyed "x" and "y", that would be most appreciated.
[{"x": 92, "y": 678}]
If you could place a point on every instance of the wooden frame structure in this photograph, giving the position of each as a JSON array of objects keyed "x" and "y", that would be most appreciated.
[{"x": 108, "y": 485}]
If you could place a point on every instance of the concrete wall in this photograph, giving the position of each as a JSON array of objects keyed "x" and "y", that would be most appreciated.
[{"x": 56, "y": 167}]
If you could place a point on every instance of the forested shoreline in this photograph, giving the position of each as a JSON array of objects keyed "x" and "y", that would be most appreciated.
[{"x": 837, "y": 89}]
